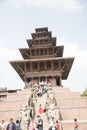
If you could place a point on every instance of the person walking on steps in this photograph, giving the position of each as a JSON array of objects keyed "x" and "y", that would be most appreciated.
[
  {"x": 39, "y": 124},
  {"x": 76, "y": 127},
  {"x": 58, "y": 125},
  {"x": 11, "y": 125}
]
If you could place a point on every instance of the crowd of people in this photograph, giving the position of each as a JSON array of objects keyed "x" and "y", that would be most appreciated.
[
  {"x": 53, "y": 125},
  {"x": 17, "y": 125},
  {"x": 11, "y": 125},
  {"x": 41, "y": 87}
]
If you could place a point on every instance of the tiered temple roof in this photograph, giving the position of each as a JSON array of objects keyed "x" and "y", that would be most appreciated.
[{"x": 43, "y": 60}]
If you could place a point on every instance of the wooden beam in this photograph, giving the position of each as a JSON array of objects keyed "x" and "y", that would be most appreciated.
[
  {"x": 58, "y": 49},
  {"x": 27, "y": 54},
  {"x": 66, "y": 63},
  {"x": 20, "y": 68}
]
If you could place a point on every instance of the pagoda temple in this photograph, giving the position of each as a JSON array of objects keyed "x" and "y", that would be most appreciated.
[{"x": 43, "y": 60}]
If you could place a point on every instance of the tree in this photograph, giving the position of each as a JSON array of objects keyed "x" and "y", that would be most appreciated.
[{"x": 84, "y": 92}]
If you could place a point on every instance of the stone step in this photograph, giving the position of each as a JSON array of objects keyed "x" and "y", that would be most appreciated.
[
  {"x": 42, "y": 101},
  {"x": 69, "y": 124}
]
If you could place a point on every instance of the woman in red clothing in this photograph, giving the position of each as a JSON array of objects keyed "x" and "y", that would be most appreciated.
[
  {"x": 41, "y": 110},
  {"x": 75, "y": 124},
  {"x": 58, "y": 126}
]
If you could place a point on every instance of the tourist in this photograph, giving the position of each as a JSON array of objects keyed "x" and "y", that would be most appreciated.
[
  {"x": 57, "y": 125},
  {"x": 3, "y": 125},
  {"x": 76, "y": 124},
  {"x": 39, "y": 124},
  {"x": 11, "y": 125},
  {"x": 45, "y": 88},
  {"x": 20, "y": 128},
  {"x": 32, "y": 125},
  {"x": 39, "y": 93},
  {"x": 52, "y": 124},
  {"x": 41, "y": 110},
  {"x": 17, "y": 125}
]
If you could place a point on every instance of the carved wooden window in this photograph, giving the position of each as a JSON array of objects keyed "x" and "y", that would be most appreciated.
[
  {"x": 37, "y": 51},
  {"x": 35, "y": 67},
  {"x": 41, "y": 66},
  {"x": 42, "y": 35},
  {"x": 48, "y": 65},
  {"x": 28, "y": 67},
  {"x": 45, "y": 51},
  {"x": 50, "y": 51},
  {"x": 33, "y": 52},
  {"x": 55, "y": 65},
  {"x": 40, "y": 42},
  {"x": 41, "y": 51},
  {"x": 36, "y": 42}
]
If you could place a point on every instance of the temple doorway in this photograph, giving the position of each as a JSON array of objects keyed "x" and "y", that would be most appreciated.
[
  {"x": 42, "y": 79},
  {"x": 58, "y": 81}
]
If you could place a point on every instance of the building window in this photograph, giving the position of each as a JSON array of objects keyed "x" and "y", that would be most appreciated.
[
  {"x": 41, "y": 66},
  {"x": 48, "y": 65}
]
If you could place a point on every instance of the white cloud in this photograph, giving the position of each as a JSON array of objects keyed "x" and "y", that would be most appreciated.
[
  {"x": 6, "y": 54},
  {"x": 69, "y": 48},
  {"x": 71, "y": 5},
  {"x": 77, "y": 79},
  {"x": 7, "y": 72}
]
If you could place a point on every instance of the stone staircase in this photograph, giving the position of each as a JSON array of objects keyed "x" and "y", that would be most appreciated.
[
  {"x": 70, "y": 104},
  {"x": 11, "y": 106},
  {"x": 68, "y": 124},
  {"x": 42, "y": 101}
]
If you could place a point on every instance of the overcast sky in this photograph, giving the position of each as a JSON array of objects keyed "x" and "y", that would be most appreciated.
[{"x": 67, "y": 19}]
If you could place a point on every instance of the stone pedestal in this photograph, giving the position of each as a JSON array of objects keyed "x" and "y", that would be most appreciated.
[{"x": 25, "y": 125}]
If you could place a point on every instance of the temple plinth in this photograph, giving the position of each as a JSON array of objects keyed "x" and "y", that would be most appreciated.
[{"x": 43, "y": 60}]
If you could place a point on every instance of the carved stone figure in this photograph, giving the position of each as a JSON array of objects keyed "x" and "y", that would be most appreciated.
[
  {"x": 52, "y": 100},
  {"x": 30, "y": 102},
  {"x": 51, "y": 105}
]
